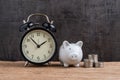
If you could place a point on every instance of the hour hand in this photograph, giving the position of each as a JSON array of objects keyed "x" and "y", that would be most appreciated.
[
  {"x": 42, "y": 43},
  {"x": 34, "y": 42}
]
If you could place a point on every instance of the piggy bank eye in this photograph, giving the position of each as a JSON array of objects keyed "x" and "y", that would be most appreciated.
[{"x": 69, "y": 48}]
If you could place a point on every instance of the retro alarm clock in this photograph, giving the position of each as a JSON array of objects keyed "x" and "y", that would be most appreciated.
[{"x": 38, "y": 44}]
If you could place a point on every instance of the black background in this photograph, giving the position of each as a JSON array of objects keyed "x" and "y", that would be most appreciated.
[{"x": 95, "y": 22}]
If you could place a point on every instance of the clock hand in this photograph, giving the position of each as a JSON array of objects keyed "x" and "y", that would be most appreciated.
[
  {"x": 35, "y": 42},
  {"x": 42, "y": 43}
]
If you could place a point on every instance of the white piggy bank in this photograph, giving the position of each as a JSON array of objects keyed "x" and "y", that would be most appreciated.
[{"x": 71, "y": 53}]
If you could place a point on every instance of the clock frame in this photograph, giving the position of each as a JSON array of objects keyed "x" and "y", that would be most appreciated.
[{"x": 50, "y": 33}]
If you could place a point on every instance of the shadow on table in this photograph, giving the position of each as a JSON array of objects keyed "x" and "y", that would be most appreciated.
[{"x": 21, "y": 64}]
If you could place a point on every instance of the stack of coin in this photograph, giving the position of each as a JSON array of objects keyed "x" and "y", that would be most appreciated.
[
  {"x": 90, "y": 57},
  {"x": 99, "y": 65},
  {"x": 88, "y": 63},
  {"x": 96, "y": 65},
  {"x": 95, "y": 58},
  {"x": 92, "y": 61}
]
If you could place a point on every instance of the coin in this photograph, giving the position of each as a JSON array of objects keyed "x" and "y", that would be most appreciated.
[
  {"x": 88, "y": 63},
  {"x": 97, "y": 65},
  {"x": 95, "y": 58},
  {"x": 90, "y": 57},
  {"x": 101, "y": 64}
]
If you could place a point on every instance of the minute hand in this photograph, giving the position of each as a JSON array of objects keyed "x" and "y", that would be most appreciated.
[
  {"x": 42, "y": 43},
  {"x": 34, "y": 42}
]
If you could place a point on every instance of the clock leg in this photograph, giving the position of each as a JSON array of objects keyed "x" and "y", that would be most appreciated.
[
  {"x": 26, "y": 63},
  {"x": 49, "y": 63}
]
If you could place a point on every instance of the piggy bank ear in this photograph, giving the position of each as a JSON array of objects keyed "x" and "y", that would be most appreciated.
[
  {"x": 65, "y": 43},
  {"x": 80, "y": 43}
]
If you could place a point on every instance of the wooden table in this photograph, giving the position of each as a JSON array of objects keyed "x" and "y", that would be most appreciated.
[{"x": 16, "y": 71}]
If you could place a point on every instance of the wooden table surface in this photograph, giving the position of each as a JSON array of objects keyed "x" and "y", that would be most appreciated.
[{"x": 17, "y": 71}]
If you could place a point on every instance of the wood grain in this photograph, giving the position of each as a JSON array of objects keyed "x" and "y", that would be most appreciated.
[{"x": 16, "y": 71}]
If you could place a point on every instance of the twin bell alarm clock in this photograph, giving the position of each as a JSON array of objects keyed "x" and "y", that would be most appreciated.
[{"x": 38, "y": 44}]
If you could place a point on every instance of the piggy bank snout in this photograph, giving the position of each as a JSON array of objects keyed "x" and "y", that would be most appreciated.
[{"x": 73, "y": 56}]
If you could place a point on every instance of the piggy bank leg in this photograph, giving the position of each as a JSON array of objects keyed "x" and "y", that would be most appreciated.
[
  {"x": 77, "y": 65},
  {"x": 65, "y": 65}
]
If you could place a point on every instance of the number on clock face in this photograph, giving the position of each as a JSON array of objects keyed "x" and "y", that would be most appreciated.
[{"x": 38, "y": 46}]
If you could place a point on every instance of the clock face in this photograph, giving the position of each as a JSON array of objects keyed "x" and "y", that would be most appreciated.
[{"x": 38, "y": 46}]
